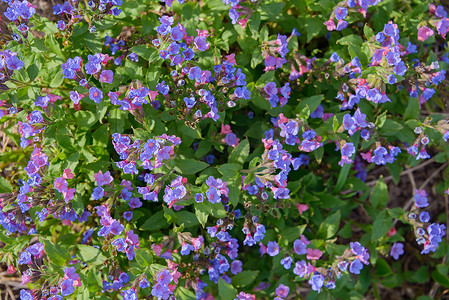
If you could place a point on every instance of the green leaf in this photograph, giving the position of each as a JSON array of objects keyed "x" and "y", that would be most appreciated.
[
  {"x": 249, "y": 178},
  {"x": 187, "y": 218},
  {"x": 240, "y": 153},
  {"x": 244, "y": 279},
  {"x": 229, "y": 170},
  {"x": 342, "y": 176},
  {"x": 57, "y": 80},
  {"x": 58, "y": 255},
  {"x": 196, "y": 134},
  {"x": 203, "y": 148},
  {"x": 182, "y": 293},
  {"x": 5, "y": 186},
  {"x": 226, "y": 290},
  {"x": 53, "y": 45},
  {"x": 117, "y": 120},
  {"x": 143, "y": 51},
  {"x": 265, "y": 78},
  {"x": 369, "y": 33},
  {"x": 311, "y": 103},
  {"x": 85, "y": 119},
  {"x": 383, "y": 269},
  {"x": 202, "y": 213},
  {"x": 379, "y": 195},
  {"x": 169, "y": 215},
  {"x": 381, "y": 225},
  {"x": 330, "y": 226},
  {"x": 412, "y": 111},
  {"x": 380, "y": 120},
  {"x": 143, "y": 258},
  {"x": 77, "y": 203},
  {"x": 91, "y": 255},
  {"x": 189, "y": 166},
  {"x": 155, "y": 222},
  {"x": 234, "y": 190},
  {"x": 313, "y": 26},
  {"x": 440, "y": 276}
]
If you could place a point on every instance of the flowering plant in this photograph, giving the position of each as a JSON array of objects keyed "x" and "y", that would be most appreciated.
[{"x": 182, "y": 149}]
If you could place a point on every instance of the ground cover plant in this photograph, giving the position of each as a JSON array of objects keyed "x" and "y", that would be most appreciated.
[{"x": 224, "y": 149}]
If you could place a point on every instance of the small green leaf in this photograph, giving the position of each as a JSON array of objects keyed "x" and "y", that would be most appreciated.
[
  {"x": 143, "y": 258},
  {"x": 240, "y": 153},
  {"x": 5, "y": 186},
  {"x": 379, "y": 195},
  {"x": 244, "y": 279},
  {"x": 380, "y": 120},
  {"x": 189, "y": 166},
  {"x": 369, "y": 33},
  {"x": 187, "y": 218},
  {"x": 226, "y": 290},
  {"x": 58, "y": 255},
  {"x": 330, "y": 225},
  {"x": 202, "y": 213},
  {"x": 310, "y": 103},
  {"x": 381, "y": 225},
  {"x": 229, "y": 170},
  {"x": 169, "y": 215},
  {"x": 91, "y": 255},
  {"x": 155, "y": 222}
]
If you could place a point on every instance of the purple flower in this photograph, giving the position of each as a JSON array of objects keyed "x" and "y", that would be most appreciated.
[
  {"x": 97, "y": 193},
  {"x": 317, "y": 281},
  {"x": 164, "y": 277},
  {"x": 67, "y": 287},
  {"x": 393, "y": 58},
  {"x": 190, "y": 102},
  {"x": 61, "y": 25},
  {"x": 282, "y": 291},
  {"x": 236, "y": 267},
  {"x": 424, "y": 217},
  {"x": 400, "y": 69},
  {"x": 271, "y": 89},
  {"x": 200, "y": 43},
  {"x": 341, "y": 25},
  {"x": 287, "y": 262},
  {"x": 176, "y": 33},
  {"x": 129, "y": 294},
  {"x": 107, "y": 76},
  {"x": 95, "y": 94},
  {"x": 26, "y": 295},
  {"x": 144, "y": 283},
  {"x": 343, "y": 266},
  {"x": 13, "y": 63},
  {"x": 341, "y": 13},
  {"x": 299, "y": 247},
  {"x": 214, "y": 195},
  {"x": 199, "y": 197},
  {"x": 355, "y": 266},
  {"x": 272, "y": 248},
  {"x": 186, "y": 248},
  {"x": 397, "y": 250},
  {"x": 25, "y": 259},
  {"x": 421, "y": 198},
  {"x": 231, "y": 139},
  {"x": 348, "y": 149}
]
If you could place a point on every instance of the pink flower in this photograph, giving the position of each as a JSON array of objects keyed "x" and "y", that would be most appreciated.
[
  {"x": 60, "y": 185},
  {"x": 302, "y": 208},
  {"x": 68, "y": 174},
  {"x": 225, "y": 129},
  {"x": 11, "y": 269},
  {"x": 314, "y": 253},
  {"x": 424, "y": 33},
  {"x": 330, "y": 25}
]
